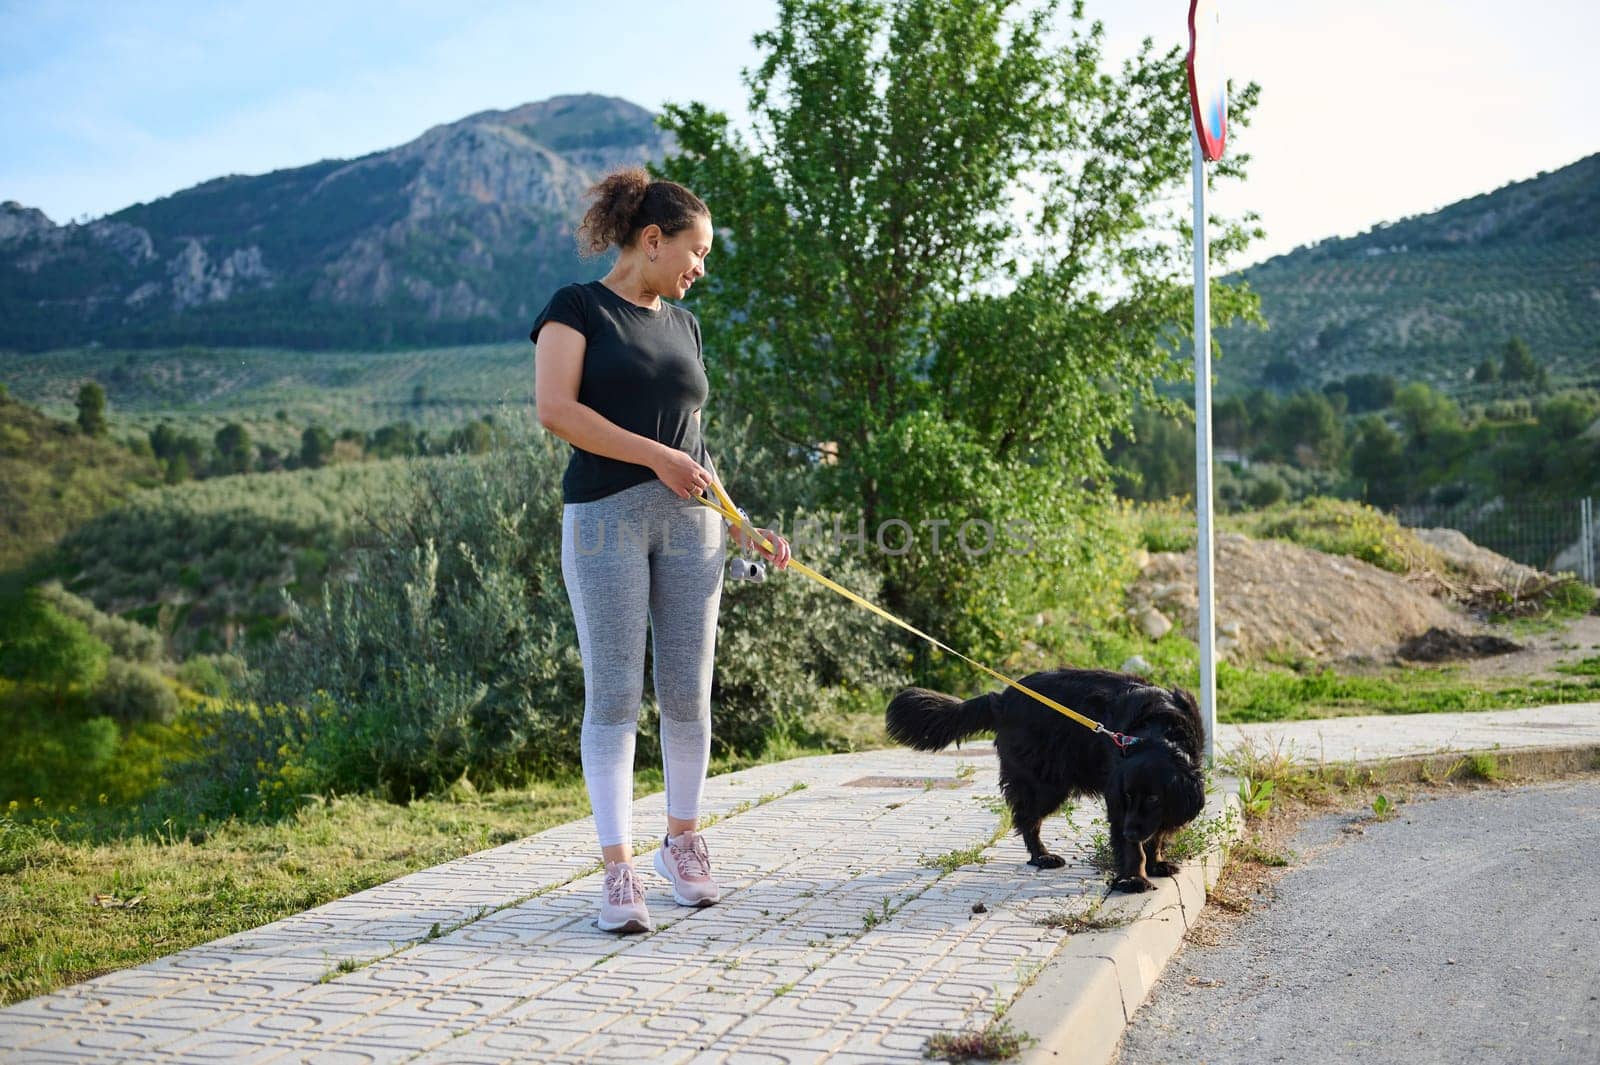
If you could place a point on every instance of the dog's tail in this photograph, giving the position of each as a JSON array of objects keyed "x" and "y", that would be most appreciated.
[{"x": 930, "y": 721}]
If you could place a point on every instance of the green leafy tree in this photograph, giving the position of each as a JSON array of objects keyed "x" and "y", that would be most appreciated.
[
  {"x": 92, "y": 409},
  {"x": 40, "y": 645},
  {"x": 1488, "y": 371},
  {"x": 232, "y": 442},
  {"x": 1519, "y": 361},
  {"x": 394, "y": 440},
  {"x": 1308, "y": 431},
  {"x": 1378, "y": 459},
  {"x": 883, "y": 281},
  {"x": 316, "y": 445},
  {"x": 1426, "y": 415},
  {"x": 178, "y": 470},
  {"x": 163, "y": 441},
  {"x": 1366, "y": 391},
  {"x": 1566, "y": 417},
  {"x": 475, "y": 438},
  {"x": 1230, "y": 424},
  {"x": 1282, "y": 374}
]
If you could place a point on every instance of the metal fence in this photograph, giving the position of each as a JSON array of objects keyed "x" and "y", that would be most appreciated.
[{"x": 1555, "y": 536}]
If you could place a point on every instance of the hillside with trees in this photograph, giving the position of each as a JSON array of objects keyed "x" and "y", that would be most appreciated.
[{"x": 1429, "y": 298}]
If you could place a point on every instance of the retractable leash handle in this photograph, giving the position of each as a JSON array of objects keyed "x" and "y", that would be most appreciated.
[{"x": 724, "y": 506}]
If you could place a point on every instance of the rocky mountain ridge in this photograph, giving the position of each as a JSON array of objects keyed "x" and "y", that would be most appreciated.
[{"x": 453, "y": 237}]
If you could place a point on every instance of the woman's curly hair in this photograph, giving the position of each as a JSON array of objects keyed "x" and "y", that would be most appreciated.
[{"x": 625, "y": 201}]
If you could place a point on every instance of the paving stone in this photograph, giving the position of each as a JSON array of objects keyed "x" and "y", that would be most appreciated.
[{"x": 802, "y": 961}]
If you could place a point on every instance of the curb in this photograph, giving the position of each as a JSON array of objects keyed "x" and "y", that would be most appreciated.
[
  {"x": 1082, "y": 1000},
  {"x": 1440, "y": 766}
]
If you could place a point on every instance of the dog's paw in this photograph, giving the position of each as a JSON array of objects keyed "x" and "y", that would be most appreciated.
[
  {"x": 1161, "y": 868},
  {"x": 1133, "y": 885},
  {"x": 1047, "y": 861}
]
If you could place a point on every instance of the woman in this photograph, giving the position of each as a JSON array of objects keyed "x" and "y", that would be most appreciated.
[{"x": 620, "y": 375}]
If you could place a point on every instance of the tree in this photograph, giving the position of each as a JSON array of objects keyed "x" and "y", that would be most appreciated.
[
  {"x": 233, "y": 447},
  {"x": 1519, "y": 362},
  {"x": 41, "y": 645},
  {"x": 1281, "y": 373},
  {"x": 1367, "y": 391},
  {"x": 476, "y": 437},
  {"x": 163, "y": 441},
  {"x": 1487, "y": 372},
  {"x": 1230, "y": 424},
  {"x": 879, "y": 284},
  {"x": 92, "y": 409},
  {"x": 1378, "y": 458},
  {"x": 394, "y": 440},
  {"x": 1308, "y": 431},
  {"x": 316, "y": 444},
  {"x": 179, "y": 469},
  {"x": 419, "y": 394},
  {"x": 1566, "y": 417},
  {"x": 1425, "y": 414}
]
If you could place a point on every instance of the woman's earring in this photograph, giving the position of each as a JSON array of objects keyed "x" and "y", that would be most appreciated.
[{"x": 652, "y": 258}]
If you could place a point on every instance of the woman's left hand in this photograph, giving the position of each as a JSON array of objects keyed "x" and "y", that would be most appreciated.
[{"x": 779, "y": 557}]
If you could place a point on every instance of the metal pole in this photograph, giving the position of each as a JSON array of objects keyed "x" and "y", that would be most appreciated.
[
  {"x": 1588, "y": 539},
  {"x": 1203, "y": 551}
]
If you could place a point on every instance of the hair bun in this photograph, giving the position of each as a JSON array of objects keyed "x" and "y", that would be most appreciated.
[{"x": 625, "y": 201}]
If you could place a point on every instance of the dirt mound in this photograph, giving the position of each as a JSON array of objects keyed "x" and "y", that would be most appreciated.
[
  {"x": 1477, "y": 563},
  {"x": 1447, "y": 645},
  {"x": 1278, "y": 598}
]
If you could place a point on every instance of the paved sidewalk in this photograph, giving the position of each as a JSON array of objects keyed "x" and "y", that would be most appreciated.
[{"x": 838, "y": 938}]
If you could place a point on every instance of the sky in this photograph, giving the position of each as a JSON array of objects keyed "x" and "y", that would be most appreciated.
[{"x": 1371, "y": 110}]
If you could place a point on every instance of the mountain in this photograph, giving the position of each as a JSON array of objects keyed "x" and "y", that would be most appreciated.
[
  {"x": 1428, "y": 297},
  {"x": 455, "y": 237}
]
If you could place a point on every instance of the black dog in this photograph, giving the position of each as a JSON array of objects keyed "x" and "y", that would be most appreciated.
[{"x": 1151, "y": 791}]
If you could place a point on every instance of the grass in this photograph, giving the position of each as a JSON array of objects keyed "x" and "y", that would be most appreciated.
[
  {"x": 1298, "y": 690},
  {"x": 951, "y": 861},
  {"x": 995, "y": 1041},
  {"x": 1588, "y": 667},
  {"x": 236, "y": 875},
  {"x": 1088, "y": 919}
]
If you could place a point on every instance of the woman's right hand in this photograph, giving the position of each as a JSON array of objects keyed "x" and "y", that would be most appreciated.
[{"x": 679, "y": 472}]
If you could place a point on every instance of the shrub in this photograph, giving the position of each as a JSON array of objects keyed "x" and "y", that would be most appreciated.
[
  {"x": 214, "y": 675},
  {"x": 1341, "y": 527},
  {"x": 60, "y": 753},
  {"x": 133, "y": 693},
  {"x": 453, "y": 652},
  {"x": 126, "y": 639},
  {"x": 43, "y": 646}
]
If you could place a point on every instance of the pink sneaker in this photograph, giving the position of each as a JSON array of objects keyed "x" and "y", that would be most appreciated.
[
  {"x": 622, "y": 907},
  {"x": 683, "y": 860}
]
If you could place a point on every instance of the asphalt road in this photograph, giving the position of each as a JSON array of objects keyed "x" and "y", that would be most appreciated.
[{"x": 1465, "y": 929}]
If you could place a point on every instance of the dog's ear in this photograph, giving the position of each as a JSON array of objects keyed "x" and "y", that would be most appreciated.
[
  {"x": 1185, "y": 700},
  {"x": 1179, "y": 756},
  {"x": 1188, "y": 794}
]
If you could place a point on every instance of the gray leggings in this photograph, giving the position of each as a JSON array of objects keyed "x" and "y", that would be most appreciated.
[{"x": 643, "y": 553}]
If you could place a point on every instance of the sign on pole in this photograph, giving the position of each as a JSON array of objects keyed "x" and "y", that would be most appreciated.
[
  {"x": 1208, "y": 100},
  {"x": 1208, "y": 83}
]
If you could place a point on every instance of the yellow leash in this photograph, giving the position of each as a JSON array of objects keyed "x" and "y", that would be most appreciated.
[{"x": 724, "y": 506}]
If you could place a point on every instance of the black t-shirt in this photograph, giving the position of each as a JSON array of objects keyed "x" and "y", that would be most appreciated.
[{"x": 643, "y": 370}]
